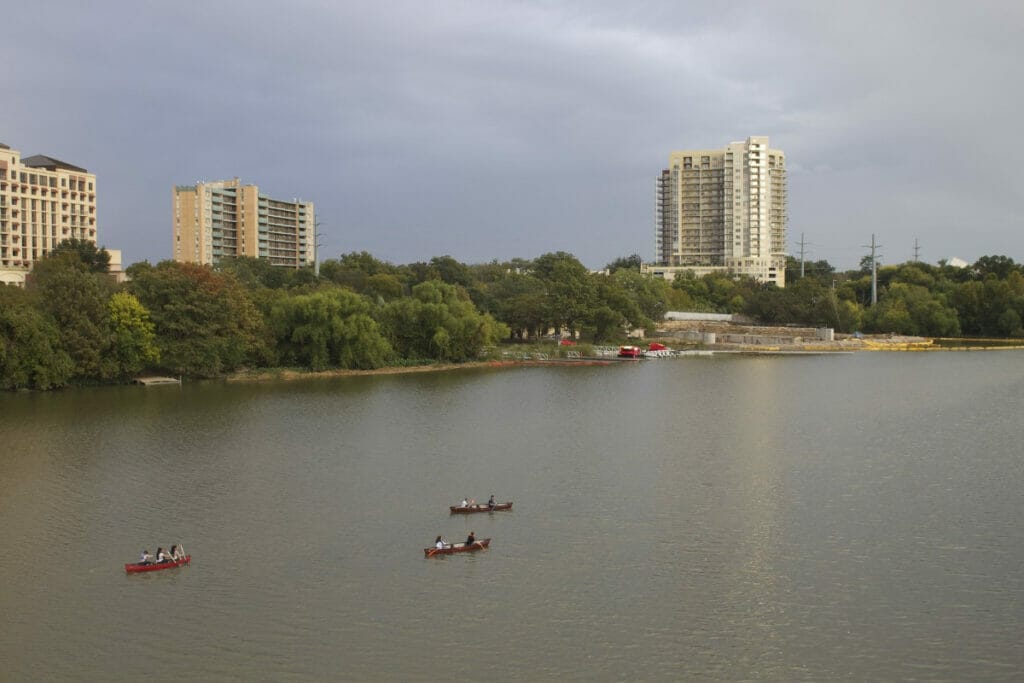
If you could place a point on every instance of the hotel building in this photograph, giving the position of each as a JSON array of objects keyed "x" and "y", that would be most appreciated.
[
  {"x": 722, "y": 210},
  {"x": 214, "y": 220},
  {"x": 43, "y": 201}
]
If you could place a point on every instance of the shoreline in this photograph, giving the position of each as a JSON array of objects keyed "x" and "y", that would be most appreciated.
[
  {"x": 838, "y": 348},
  {"x": 290, "y": 374}
]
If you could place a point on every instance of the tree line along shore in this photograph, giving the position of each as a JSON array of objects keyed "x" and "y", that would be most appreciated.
[{"x": 74, "y": 323}]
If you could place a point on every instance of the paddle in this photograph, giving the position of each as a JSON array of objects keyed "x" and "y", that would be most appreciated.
[{"x": 443, "y": 543}]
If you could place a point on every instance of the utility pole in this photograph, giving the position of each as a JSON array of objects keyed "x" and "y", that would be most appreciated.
[
  {"x": 917, "y": 251},
  {"x": 802, "y": 256},
  {"x": 874, "y": 270},
  {"x": 316, "y": 248}
]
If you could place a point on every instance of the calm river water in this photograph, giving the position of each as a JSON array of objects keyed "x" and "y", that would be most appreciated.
[{"x": 819, "y": 518}]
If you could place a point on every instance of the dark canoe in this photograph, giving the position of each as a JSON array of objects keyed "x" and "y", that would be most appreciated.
[
  {"x": 458, "y": 548},
  {"x": 458, "y": 509},
  {"x": 156, "y": 566}
]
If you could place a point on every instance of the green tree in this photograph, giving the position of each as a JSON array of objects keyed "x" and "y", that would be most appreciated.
[
  {"x": 915, "y": 274},
  {"x": 822, "y": 271},
  {"x": 328, "y": 328},
  {"x": 451, "y": 271},
  {"x": 632, "y": 262},
  {"x": 518, "y": 301},
  {"x": 969, "y": 301},
  {"x": 1009, "y": 323},
  {"x": 621, "y": 302},
  {"x": 365, "y": 262},
  {"x": 849, "y": 316},
  {"x": 1000, "y": 266},
  {"x": 256, "y": 272},
  {"x": 865, "y": 264},
  {"x": 75, "y": 296},
  {"x": 385, "y": 286},
  {"x": 605, "y": 323},
  {"x": 206, "y": 323},
  {"x": 651, "y": 294},
  {"x": 133, "y": 335},
  {"x": 96, "y": 259},
  {"x": 439, "y": 322},
  {"x": 570, "y": 291},
  {"x": 31, "y": 356},
  {"x": 990, "y": 307},
  {"x": 719, "y": 292},
  {"x": 355, "y": 270},
  {"x": 695, "y": 292},
  {"x": 912, "y": 309}
]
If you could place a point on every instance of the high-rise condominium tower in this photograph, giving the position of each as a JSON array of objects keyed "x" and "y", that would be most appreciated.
[
  {"x": 723, "y": 209},
  {"x": 43, "y": 201},
  {"x": 220, "y": 219}
]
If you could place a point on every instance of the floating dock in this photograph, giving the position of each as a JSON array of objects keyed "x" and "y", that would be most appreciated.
[{"x": 157, "y": 381}]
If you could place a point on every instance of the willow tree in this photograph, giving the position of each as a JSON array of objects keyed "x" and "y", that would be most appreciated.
[
  {"x": 439, "y": 321},
  {"x": 329, "y": 328}
]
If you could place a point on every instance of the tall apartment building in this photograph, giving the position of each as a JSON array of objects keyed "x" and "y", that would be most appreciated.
[
  {"x": 225, "y": 218},
  {"x": 43, "y": 201},
  {"x": 722, "y": 210}
]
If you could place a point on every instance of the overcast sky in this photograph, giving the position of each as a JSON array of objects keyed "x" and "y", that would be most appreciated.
[{"x": 486, "y": 130}]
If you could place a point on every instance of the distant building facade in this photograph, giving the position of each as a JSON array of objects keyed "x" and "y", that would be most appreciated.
[
  {"x": 722, "y": 210},
  {"x": 43, "y": 201},
  {"x": 224, "y": 218}
]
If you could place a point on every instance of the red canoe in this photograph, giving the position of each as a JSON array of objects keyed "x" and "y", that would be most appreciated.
[
  {"x": 457, "y": 548},
  {"x": 155, "y": 566},
  {"x": 458, "y": 509}
]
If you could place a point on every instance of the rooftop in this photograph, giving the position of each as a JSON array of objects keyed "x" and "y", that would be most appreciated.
[{"x": 50, "y": 164}]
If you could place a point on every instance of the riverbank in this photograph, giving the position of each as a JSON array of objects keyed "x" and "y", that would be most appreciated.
[
  {"x": 847, "y": 344},
  {"x": 287, "y": 374}
]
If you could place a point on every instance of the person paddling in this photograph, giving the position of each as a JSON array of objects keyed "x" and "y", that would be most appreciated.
[
  {"x": 146, "y": 558},
  {"x": 471, "y": 539},
  {"x": 440, "y": 542}
]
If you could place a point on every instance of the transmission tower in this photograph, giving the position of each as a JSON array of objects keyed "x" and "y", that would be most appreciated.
[
  {"x": 802, "y": 246},
  {"x": 874, "y": 269}
]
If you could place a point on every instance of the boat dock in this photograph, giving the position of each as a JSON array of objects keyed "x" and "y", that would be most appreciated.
[{"x": 157, "y": 381}]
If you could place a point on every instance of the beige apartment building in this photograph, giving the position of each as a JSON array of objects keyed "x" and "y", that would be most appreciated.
[
  {"x": 224, "y": 218},
  {"x": 722, "y": 210},
  {"x": 43, "y": 201}
]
